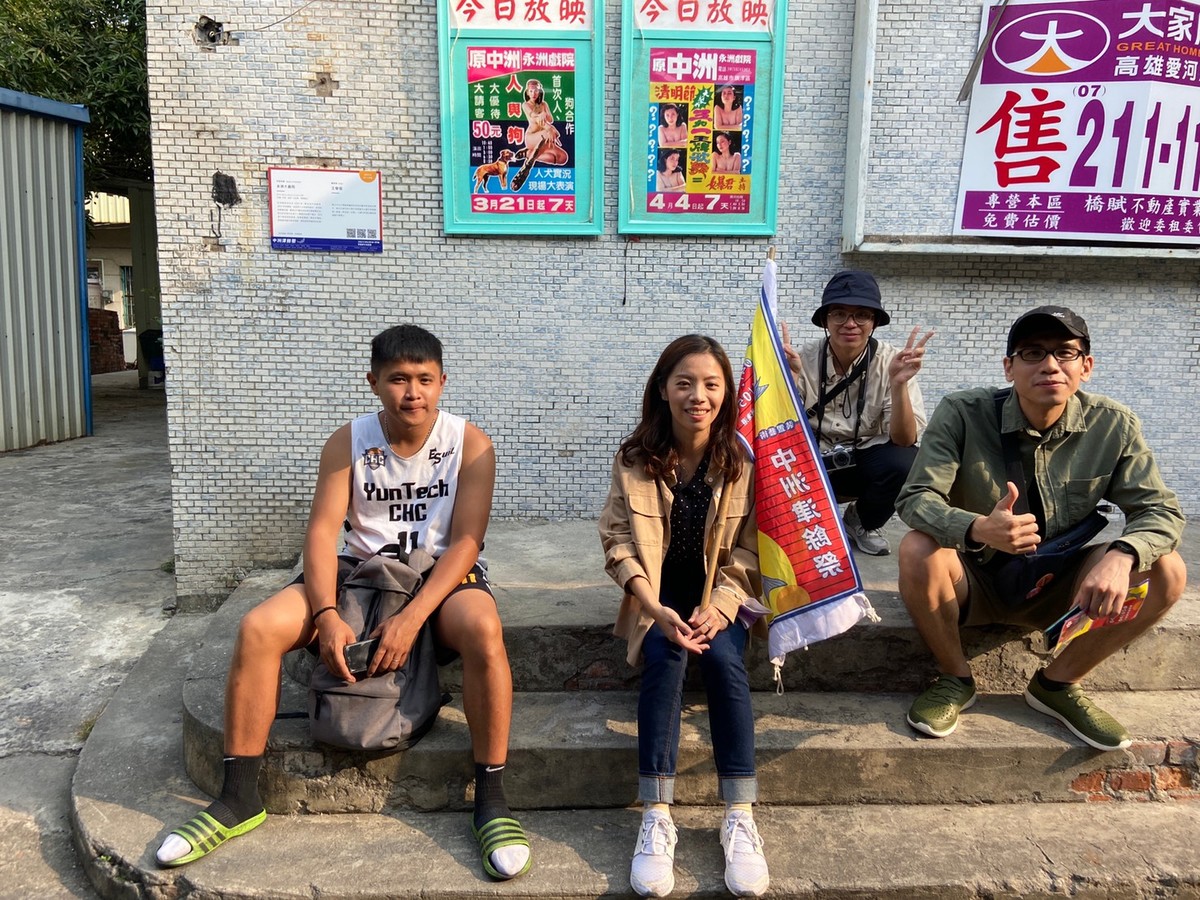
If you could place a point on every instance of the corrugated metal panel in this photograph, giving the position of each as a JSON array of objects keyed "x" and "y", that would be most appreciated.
[
  {"x": 107, "y": 209},
  {"x": 43, "y": 386}
]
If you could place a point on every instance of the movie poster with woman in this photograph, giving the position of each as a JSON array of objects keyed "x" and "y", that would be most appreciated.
[
  {"x": 699, "y": 130},
  {"x": 521, "y": 130}
]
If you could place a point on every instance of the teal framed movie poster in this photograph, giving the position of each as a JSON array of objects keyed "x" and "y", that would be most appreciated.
[
  {"x": 522, "y": 120},
  {"x": 701, "y": 96}
]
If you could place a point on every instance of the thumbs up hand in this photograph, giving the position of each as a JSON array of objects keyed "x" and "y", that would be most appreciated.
[{"x": 1005, "y": 530}]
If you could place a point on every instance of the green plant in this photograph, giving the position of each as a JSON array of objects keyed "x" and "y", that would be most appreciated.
[{"x": 91, "y": 52}]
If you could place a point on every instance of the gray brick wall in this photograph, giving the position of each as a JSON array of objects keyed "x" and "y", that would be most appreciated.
[{"x": 549, "y": 340}]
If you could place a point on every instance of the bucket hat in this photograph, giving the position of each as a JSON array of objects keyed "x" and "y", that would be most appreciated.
[{"x": 852, "y": 287}]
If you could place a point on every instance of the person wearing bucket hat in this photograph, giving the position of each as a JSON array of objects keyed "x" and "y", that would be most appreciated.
[
  {"x": 862, "y": 401},
  {"x": 1003, "y": 501}
]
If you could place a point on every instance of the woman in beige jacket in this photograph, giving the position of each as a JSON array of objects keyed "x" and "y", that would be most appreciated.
[{"x": 656, "y": 528}]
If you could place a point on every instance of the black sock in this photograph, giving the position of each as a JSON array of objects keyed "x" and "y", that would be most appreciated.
[
  {"x": 489, "y": 794},
  {"x": 968, "y": 680},
  {"x": 1050, "y": 684},
  {"x": 239, "y": 799}
]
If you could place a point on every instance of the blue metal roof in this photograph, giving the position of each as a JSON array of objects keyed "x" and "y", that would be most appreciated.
[{"x": 51, "y": 109}]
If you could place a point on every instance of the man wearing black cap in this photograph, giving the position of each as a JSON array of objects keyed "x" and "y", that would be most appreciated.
[
  {"x": 1002, "y": 498},
  {"x": 862, "y": 402}
]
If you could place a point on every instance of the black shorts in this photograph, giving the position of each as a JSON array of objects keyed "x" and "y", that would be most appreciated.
[{"x": 476, "y": 579}]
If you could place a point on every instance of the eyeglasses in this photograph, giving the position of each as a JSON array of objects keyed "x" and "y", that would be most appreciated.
[
  {"x": 1037, "y": 354},
  {"x": 842, "y": 316}
]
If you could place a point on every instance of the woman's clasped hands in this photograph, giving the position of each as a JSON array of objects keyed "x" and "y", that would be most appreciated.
[{"x": 694, "y": 634}]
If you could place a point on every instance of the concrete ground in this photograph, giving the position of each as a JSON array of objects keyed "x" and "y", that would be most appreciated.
[{"x": 85, "y": 560}]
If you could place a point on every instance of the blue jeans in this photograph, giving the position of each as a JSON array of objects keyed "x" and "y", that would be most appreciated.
[{"x": 730, "y": 716}]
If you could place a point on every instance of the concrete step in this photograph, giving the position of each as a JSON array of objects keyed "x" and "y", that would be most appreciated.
[
  {"x": 861, "y": 734},
  {"x": 1027, "y": 851},
  {"x": 579, "y": 750},
  {"x": 558, "y": 609},
  {"x": 130, "y": 788}
]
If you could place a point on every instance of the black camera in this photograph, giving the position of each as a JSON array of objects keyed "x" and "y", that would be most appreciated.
[{"x": 840, "y": 457}]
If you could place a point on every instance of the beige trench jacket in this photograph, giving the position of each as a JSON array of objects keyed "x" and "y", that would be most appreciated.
[{"x": 635, "y": 530}]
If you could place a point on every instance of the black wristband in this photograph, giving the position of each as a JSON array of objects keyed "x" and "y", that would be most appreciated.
[
  {"x": 970, "y": 545},
  {"x": 322, "y": 611}
]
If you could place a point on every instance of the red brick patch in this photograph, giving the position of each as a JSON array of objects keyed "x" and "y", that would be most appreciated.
[
  {"x": 105, "y": 350},
  {"x": 1184, "y": 795},
  {"x": 1129, "y": 780},
  {"x": 1153, "y": 770},
  {"x": 1170, "y": 778}
]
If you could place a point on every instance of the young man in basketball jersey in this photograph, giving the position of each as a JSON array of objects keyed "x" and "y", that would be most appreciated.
[{"x": 413, "y": 475}]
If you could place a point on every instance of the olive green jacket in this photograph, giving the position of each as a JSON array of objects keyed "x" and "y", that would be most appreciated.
[{"x": 1094, "y": 452}]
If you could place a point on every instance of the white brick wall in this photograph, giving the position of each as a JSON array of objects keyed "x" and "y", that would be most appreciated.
[{"x": 549, "y": 340}]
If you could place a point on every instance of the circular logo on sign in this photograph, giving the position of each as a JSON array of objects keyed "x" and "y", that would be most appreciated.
[{"x": 1049, "y": 43}]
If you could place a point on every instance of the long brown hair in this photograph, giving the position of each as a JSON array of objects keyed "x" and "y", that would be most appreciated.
[{"x": 651, "y": 443}]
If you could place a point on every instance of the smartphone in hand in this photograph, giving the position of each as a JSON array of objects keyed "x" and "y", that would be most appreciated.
[{"x": 358, "y": 655}]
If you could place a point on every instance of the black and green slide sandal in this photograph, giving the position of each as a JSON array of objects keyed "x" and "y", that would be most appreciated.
[
  {"x": 495, "y": 835},
  {"x": 205, "y": 834}
]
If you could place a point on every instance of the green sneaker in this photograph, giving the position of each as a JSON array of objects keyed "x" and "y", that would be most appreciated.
[
  {"x": 935, "y": 712},
  {"x": 1075, "y": 709}
]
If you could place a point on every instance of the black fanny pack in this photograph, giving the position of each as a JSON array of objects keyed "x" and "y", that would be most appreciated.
[{"x": 1018, "y": 579}]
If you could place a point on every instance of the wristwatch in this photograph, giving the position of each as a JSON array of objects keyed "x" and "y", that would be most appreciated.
[{"x": 1123, "y": 547}]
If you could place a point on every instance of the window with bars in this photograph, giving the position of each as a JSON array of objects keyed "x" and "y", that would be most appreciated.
[{"x": 127, "y": 296}]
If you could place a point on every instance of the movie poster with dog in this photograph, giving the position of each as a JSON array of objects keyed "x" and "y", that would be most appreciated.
[
  {"x": 699, "y": 130},
  {"x": 522, "y": 130}
]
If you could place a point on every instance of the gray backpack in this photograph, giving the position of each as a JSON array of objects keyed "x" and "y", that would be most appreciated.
[{"x": 394, "y": 710}]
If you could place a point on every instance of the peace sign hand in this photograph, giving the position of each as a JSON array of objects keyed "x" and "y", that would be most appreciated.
[
  {"x": 792, "y": 354},
  {"x": 907, "y": 363}
]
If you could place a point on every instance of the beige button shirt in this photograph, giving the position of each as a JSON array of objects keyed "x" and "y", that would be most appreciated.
[
  {"x": 837, "y": 423},
  {"x": 635, "y": 529}
]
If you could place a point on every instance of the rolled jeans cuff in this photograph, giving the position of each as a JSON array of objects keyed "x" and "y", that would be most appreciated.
[
  {"x": 738, "y": 790},
  {"x": 656, "y": 788}
]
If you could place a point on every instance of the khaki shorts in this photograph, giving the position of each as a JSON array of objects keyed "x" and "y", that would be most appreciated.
[{"x": 985, "y": 607}]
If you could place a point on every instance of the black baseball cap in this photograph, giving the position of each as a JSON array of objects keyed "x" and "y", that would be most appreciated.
[
  {"x": 852, "y": 287},
  {"x": 1048, "y": 319}
]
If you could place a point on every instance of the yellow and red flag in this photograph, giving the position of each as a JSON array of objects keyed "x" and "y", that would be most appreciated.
[{"x": 810, "y": 582}]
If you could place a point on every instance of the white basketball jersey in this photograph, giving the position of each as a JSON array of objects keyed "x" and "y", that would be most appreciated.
[{"x": 394, "y": 500}]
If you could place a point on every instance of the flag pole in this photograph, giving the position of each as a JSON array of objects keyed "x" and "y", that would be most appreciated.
[{"x": 718, "y": 534}]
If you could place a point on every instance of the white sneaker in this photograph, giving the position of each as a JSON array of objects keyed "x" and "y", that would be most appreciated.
[
  {"x": 745, "y": 866},
  {"x": 653, "y": 870},
  {"x": 872, "y": 543}
]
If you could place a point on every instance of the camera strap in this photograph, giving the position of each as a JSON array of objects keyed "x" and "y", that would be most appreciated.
[{"x": 824, "y": 399}]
